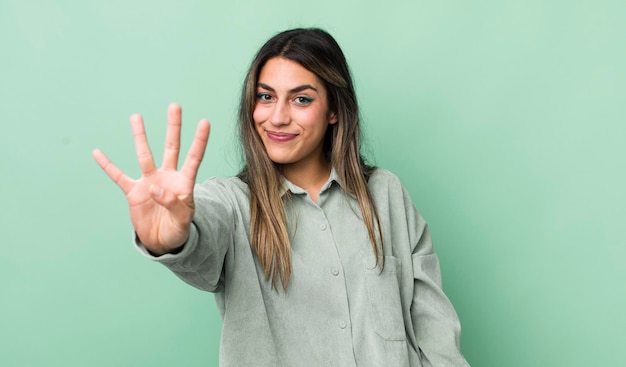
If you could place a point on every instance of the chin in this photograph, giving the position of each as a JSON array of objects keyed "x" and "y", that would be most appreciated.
[
  {"x": 281, "y": 161},
  {"x": 278, "y": 158}
]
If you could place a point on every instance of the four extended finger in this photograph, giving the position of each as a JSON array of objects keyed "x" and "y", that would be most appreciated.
[
  {"x": 172, "y": 137},
  {"x": 196, "y": 152},
  {"x": 114, "y": 173},
  {"x": 144, "y": 155}
]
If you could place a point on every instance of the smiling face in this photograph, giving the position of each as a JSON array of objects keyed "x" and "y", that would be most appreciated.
[{"x": 291, "y": 114}]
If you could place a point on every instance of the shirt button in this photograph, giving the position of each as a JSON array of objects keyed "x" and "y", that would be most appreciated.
[
  {"x": 323, "y": 227},
  {"x": 343, "y": 325},
  {"x": 335, "y": 271}
]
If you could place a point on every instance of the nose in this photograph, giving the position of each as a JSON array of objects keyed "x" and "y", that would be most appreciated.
[{"x": 280, "y": 114}]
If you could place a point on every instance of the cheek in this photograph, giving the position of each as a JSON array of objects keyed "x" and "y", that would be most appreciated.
[
  {"x": 257, "y": 122},
  {"x": 259, "y": 114},
  {"x": 314, "y": 119}
]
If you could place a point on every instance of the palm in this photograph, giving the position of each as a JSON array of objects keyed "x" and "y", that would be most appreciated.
[
  {"x": 161, "y": 201},
  {"x": 154, "y": 223}
]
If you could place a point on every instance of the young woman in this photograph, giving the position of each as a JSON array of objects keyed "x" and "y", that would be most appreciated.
[{"x": 315, "y": 258}]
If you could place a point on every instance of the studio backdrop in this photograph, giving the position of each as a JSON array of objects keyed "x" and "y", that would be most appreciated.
[{"x": 504, "y": 119}]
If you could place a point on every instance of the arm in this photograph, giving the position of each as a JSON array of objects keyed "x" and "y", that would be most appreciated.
[
  {"x": 201, "y": 259},
  {"x": 436, "y": 324}
]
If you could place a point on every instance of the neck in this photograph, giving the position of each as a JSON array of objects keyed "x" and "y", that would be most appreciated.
[{"x": 310, "y": 177}]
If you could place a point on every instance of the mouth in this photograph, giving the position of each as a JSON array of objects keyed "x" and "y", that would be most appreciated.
[{"x": 280, "y": 137}]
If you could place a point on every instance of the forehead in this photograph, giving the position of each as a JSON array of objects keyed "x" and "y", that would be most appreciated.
[{"x": 281, "y": 72}]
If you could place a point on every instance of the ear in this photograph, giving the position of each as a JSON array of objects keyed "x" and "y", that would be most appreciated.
[{"x": 332, "y": 118}]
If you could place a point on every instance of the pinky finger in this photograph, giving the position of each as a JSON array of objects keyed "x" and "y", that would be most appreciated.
[{"x": 114, "y": 173}]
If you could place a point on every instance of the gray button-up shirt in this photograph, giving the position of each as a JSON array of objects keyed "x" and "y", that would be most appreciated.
[{"x": 339, "y": 308}]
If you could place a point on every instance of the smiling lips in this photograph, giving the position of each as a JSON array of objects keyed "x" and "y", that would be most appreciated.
[{"x": 279, "y": 137}]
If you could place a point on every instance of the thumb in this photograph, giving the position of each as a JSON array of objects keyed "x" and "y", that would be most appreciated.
[
  {"x": 171, "y": 202},
  {"x": 157, "y": 192}
]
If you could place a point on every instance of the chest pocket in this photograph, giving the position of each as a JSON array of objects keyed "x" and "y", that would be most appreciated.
[{"x": 384, "y": 297}]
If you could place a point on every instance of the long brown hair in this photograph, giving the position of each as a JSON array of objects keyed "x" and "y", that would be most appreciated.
[{"x": 318, "y": 52}]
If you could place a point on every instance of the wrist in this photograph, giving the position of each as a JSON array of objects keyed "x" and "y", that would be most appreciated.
[{"x": 160, "y": 250}]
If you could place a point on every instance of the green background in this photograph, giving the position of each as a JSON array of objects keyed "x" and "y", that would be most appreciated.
[{"x": 504, "y": 119}]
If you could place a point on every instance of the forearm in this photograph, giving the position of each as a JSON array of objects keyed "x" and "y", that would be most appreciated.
[{"x": 198, "y": 264}]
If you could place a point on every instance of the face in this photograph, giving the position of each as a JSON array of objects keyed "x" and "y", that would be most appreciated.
[{"x": 291, "y": 113}]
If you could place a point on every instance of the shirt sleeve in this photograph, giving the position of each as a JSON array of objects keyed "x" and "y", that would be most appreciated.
[
  {"x": 201, "y": 260},
  {"x": 435, "y": 322}
]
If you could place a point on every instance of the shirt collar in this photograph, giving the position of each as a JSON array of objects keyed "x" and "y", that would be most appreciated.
[{"x": 294, "y": 189}]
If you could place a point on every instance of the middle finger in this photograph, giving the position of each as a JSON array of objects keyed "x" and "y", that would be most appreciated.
[{"x": 172, "y": 137}]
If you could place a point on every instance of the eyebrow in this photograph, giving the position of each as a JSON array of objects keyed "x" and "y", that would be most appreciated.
[{"x": 293, "y": 90}]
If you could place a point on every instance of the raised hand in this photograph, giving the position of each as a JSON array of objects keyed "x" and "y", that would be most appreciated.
[{"x": 161, "y": 201}]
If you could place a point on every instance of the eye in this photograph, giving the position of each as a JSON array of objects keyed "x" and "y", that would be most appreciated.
[
  {"x": 264, "y": 97},
  {"x": 302, "y": 100}
]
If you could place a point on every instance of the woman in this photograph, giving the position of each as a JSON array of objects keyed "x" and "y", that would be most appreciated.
[{"x": 315, "y": 259}]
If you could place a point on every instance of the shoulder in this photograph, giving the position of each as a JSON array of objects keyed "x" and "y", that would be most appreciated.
[
  {"x": 382, "y": 179},
  {"x": 226, "y": 183},
  {"x": 221, "y": 197},
  {"x": 223, "y": 188},
  {"x": 388, "y": 190}
]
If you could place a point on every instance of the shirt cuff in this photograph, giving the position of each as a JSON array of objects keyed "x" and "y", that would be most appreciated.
[{"x": 168, "y": 258}]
